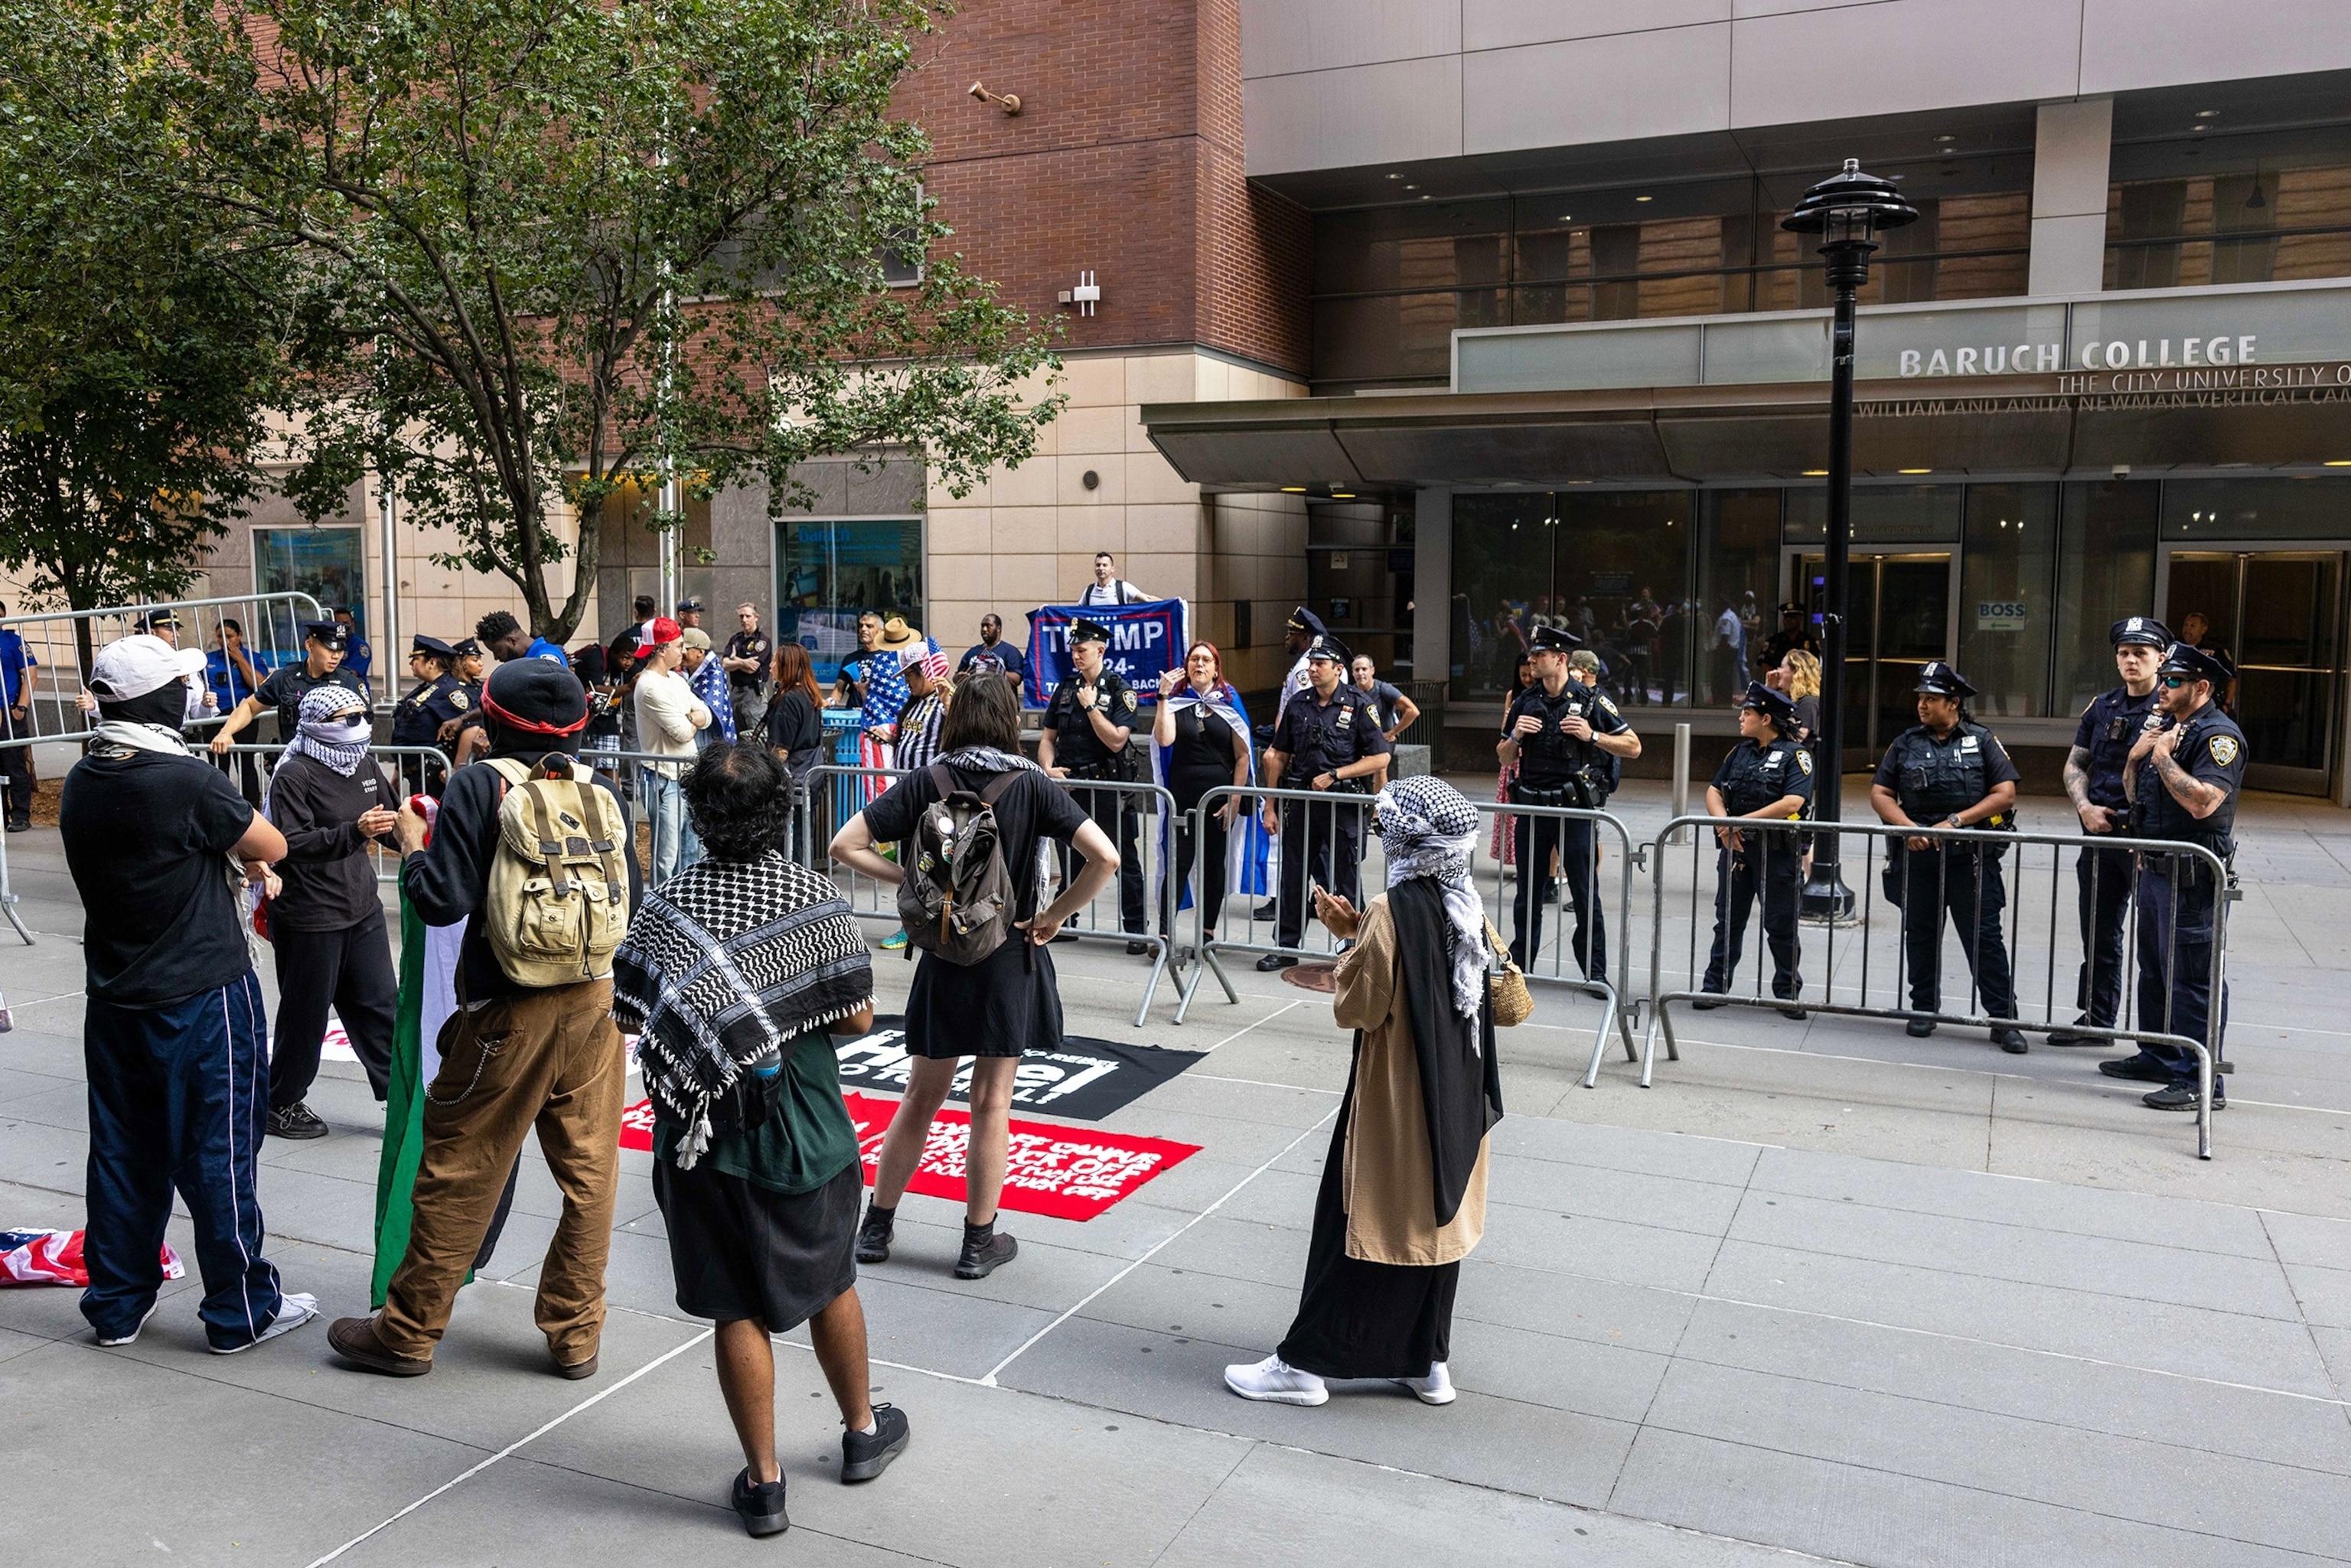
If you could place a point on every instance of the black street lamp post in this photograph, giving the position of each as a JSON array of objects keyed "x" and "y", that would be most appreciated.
[{"x": 1846, "y": 211}]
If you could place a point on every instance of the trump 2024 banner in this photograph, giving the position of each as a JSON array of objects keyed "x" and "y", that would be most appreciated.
[{"x": 1145, "y": 641}]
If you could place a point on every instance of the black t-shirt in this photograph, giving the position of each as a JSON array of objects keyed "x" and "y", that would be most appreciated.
[
  {"x": 329, "y": 875},
  {"x": 290, "y": 683},
  {"x": 1204, "y": 745},
  {"x": 1034, "y": 807},
  {"x": 146, "y": 837}
]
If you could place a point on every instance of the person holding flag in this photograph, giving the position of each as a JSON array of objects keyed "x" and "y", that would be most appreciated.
[{"x": 1200, "y": 742}]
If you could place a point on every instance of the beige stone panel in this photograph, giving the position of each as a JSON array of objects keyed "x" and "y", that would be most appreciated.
[
  {"x": 1137, "y": 434},
  {"x": 1090, "y": 429},
  {"x": 937, "y": 494},
  {"x": 1212, "y": 380},
  {"x": 1081, "y": 530},
  {"x": 951, "y": 531},
  {"x": 1023, "y": 580},
  {"x": 1109, "y": 472},
  {"x": 956, "y": 623},
  {"x": 1030, "y": 484},
  {"x": 1163, "y": 378},
  {"x": 1025, "y": 530},
  {"x": 1165, "y": 576},
  {"x": 1164, "y": 529},
  {"x": 1095, "y": 380},
  {"x": 1152, "y": 480}
]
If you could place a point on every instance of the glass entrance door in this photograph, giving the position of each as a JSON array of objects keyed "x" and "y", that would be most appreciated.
[
  {"x": 2279, "y": 614},
  {"x": 1901, "y": 610}
]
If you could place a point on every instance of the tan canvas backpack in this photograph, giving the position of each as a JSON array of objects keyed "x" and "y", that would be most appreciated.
[{"x": 559, "y": 895}]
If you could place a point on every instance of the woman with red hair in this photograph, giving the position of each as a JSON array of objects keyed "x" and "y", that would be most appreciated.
[{"x": 1201, "y": 737}]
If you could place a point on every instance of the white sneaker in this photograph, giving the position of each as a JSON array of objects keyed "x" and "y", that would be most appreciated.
[
  {"x": 294, "y": 1309},
  {"x": 1275, "y": 1381},
  {"x": 132, "y": 1337},
  {"x": 1436, "y": 1388}
]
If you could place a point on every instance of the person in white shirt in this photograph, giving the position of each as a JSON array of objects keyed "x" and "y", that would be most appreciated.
[
  {"x": 668, "y": 715},
  {"x": 1108, "y": 586}
]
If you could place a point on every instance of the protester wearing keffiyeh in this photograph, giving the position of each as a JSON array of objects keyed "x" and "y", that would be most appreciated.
[
  {"x": 1426, "y": 828},
  {"x": 333, "y": 728}
]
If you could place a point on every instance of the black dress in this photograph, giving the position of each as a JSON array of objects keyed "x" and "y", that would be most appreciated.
[
  {"x": 1009, "y": 1002},
  {"x": 1200, "y": 760}
]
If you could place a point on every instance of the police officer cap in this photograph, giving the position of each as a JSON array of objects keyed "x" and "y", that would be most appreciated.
[
  {"x": 155, "y": 618},
  {"x": 2139, "y": 632},
  {"x": 1327, "y": 647},
  {"x": 1938, "y": 679},
  {"x": 469, "y": 648},
  {"x": 2196, "y": 663},
  {"x": 1304, "y": 619},
  {"x": 329, "y": 634},
  {"x": 1552, "y": 638},
  {"x": 1777, "y": 706},
  {"x": 1793, "y": 607},
  {"x": 1088, "y": 632},
  {"x": 434, "y": 646}
]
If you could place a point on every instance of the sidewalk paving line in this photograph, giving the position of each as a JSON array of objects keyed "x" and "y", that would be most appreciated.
[
  {"x": 459, "y": 1479},
  {"x": 1268, "y": 1017},
  {"x": 1029, "y": 1344}
]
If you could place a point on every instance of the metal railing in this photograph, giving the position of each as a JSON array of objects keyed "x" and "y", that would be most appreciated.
[
  {"x": 1526, "y": 902},
  {"x": 54, "y": 680},
  {"x": 1866, "y": 964}
]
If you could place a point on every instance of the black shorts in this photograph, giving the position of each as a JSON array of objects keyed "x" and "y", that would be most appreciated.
[{"x": 742, "y": 1251}]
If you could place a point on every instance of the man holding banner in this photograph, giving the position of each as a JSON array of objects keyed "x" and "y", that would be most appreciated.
[{"x": 1085, "y": 733}]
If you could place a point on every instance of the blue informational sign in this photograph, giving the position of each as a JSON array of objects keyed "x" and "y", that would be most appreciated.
[{"x": 1145, "y": 641}]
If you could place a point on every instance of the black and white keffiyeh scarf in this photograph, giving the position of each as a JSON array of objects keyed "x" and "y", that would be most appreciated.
[
  {"x": 1426, "y": 829},
  {"x": 326, "y": 731},
  {"x": 987, "y": 760},
  {"x": 725, "y": 962}
]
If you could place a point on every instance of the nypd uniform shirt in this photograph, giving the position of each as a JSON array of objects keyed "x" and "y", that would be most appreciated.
[
  {"x": 418, "y": 719},
  {"x": 1936, "y": 779},
  {"x": 2110, "y": 727},
  {"x": 1549, "y": 756},
  {"x": 290, "y": 683},
  {"x": 1322, "y": 737},
  {"x": 756, "y": 645},
  {"x": 2213, "y": 751},
  {"x": 1756, "y": 773},
  {"x": 1075, "y": 744}
]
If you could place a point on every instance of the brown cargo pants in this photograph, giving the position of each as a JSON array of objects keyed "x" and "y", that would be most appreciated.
[{"x": 551, "y": 1059}]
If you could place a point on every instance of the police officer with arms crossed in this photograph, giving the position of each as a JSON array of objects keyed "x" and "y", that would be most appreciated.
[
  {"x": 1328, "y": 740},
  {"x": 1947, "y": 771},
  {"x": 1564, "y": 736},
  {"x": 2183, "y": 780},
  {"x": 2094, "y": 781},
  {"x": 1768, "y": 776},
  {"x": 417, "y": 719},
  {"x": 1085, "y": 729}
]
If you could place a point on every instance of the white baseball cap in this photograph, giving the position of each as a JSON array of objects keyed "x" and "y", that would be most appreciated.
[{"x": 135, "y": 666}]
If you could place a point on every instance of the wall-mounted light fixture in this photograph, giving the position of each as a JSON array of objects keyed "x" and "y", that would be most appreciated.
[
  {"x": 1085, "y": 296},
  {"x": 1010, "y": 102}
]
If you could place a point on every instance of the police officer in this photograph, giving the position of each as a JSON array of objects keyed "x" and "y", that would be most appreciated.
[
  {"x": 2182, "y": 779},
  {"x": 1328, "y": 739},
  {"x": 1085, "y": 731},
  {"x": 1793, "y": 633},
  {"x": 417, "y": 719},
  {"x": 2094, "y": 781},
  {"x": 321, "y": 666},
  {"x": 1768, "y": 776},
  {"x": 1304, "y": 629},
  {"x": 1564, "y": 734},
  {"x": 1949, "y": 772}
]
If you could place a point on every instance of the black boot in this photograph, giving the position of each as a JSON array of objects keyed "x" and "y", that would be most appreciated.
[
  {"x": 983, "y": 1252},
  {"x": 873, "y": 1236}
]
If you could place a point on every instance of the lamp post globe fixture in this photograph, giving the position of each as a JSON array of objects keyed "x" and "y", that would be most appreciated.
[{"x": 1848, "y": 211}]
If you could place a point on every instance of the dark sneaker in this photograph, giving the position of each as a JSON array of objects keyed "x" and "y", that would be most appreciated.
[
  {"x": 2011, "y": 1040},
  {"x": 2181, "y": 1097},
  {"x": 1788, "y": 1009},
  {"x": 984, "y": 1252},
  {"x": 2140, "y": 1068},
  {"x": 2067, "y": 1037},
  {"x": 1918, "y": 1029},
  {"x": 864, "y": 1454},
  {"x": 1266, "y": 911},
  {"x": 761, "y": 1504},
  {"x": 873, "y": 1236},
  {"x": 1707, "y": 1006},
  {"x": 354, "y": 1340},
  {"x": 295, "y": 1121},
  {"x": 16, "y": 827},
  {"x": 1134, "y": 949},
  {"x": 1273, "y": 961}
]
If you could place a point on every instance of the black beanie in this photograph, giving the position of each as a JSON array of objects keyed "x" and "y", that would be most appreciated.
[{"x": 536, "y": 697}]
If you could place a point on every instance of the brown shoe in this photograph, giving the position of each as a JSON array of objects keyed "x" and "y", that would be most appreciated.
[
  {"x": 354, "y": 1339},
  {"x": 577, "y": 1369}
]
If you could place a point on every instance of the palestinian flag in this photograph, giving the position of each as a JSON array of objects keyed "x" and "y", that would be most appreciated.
[{"x": 428, "y": 995}]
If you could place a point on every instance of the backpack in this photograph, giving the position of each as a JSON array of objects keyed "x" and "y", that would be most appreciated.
[
  {"x": 958, "y": 899},
  {"x": 557, "y": 901}
]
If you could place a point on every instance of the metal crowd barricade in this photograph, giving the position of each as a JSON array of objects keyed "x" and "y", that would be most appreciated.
[
  {"x": 1553, "y": 963},
  {"x": 1326, "y": 875},
  {"x": 1139, "y": 801},
  {"x": 1864, "y": 969}
]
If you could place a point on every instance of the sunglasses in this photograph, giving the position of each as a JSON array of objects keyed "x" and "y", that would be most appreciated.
[{"x": 2171, "y": 683}]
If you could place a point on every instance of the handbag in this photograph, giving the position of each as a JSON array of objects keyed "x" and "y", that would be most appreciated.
[{"x": 1507, "y": 990}]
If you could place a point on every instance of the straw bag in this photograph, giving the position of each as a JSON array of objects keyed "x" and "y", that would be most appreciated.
[{"x": 1513, "y": 1003}]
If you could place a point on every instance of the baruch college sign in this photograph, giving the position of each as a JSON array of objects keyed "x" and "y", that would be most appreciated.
[{"x": 2197, "y": 330}]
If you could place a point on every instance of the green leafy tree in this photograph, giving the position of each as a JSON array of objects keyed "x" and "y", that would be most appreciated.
[
  {"x": 138, "y": 350},
  {"x": 548, "y": 247}
]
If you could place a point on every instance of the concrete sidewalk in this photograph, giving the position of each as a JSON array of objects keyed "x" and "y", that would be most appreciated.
[{"x": 1792, "y": 1303}]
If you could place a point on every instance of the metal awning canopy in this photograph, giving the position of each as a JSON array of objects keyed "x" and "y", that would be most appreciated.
[{"x": 2269, "y": 416}]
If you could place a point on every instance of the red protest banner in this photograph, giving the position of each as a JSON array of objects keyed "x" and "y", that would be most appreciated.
[
  {"x": 1065, "y": 1173},
  {"x": 637, "y": 1127}
]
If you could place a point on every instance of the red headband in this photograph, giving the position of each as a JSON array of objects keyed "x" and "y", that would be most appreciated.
[{"x": 530, "y": 727}]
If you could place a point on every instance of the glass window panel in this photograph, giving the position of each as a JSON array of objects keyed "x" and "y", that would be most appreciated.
[
  {"x": 1739, "y": 581},
  {"x": 1398, "y": 336},
  {"x": 1624, "y": 557},
  {"x": 2106, "y": 570},
  {"x": 2007, "y": 595},
  {"x": 2317, "y": 508},
  {"x": 1882, "y": 514},
  {"x": 829, "y": 573},
  {"x": 1502, "y": 550},
  {"x": 1423, "y": 245},
  {"x": 327, "y": 564}
]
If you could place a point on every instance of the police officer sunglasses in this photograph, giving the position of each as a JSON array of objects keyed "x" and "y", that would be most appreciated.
[{"x": 2171, "y": 683}]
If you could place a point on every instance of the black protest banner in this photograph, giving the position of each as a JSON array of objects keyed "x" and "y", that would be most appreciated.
[{"x": 1085, "y": 1079}]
